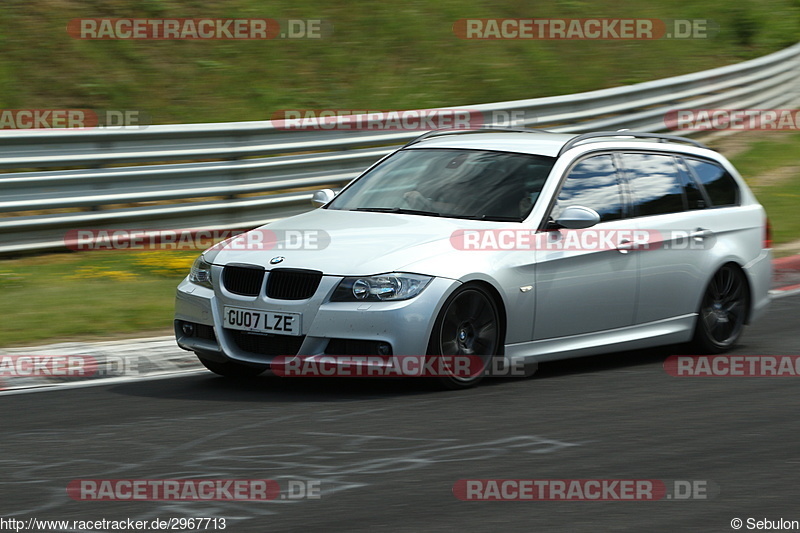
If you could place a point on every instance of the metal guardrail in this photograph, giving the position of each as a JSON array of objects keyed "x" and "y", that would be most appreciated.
[{"x": 243, "y": 174}]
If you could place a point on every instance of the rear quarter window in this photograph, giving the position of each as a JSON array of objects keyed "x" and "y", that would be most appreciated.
[{"x": 720, "y": 186}]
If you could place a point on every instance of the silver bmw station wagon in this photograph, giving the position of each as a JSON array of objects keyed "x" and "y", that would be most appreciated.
[{"x": 515, "y": 244}]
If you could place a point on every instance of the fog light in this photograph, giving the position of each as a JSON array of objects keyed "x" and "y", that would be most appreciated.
[
  {"x": 384, "y": 348},
  {"x": 188, "y": 329}
]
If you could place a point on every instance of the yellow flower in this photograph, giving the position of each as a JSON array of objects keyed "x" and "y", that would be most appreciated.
[
  {"x": 165, "y": 263},
  {"x": 101, "y": 273}
]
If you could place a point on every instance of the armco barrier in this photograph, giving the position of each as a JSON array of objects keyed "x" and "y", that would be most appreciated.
[{"x": 243, "y": 174}]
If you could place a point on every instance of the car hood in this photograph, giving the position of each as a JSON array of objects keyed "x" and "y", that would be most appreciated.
[{"x": 354, "y": 243}]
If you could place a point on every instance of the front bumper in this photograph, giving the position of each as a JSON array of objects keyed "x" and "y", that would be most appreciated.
[{"x": 404, "y": 325}]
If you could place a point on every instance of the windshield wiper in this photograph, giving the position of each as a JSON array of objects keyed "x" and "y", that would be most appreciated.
[
  {"x": 490, "y": 218},
  {"x": 398, "y": 210},
  {"x": 402, "y": 211}
]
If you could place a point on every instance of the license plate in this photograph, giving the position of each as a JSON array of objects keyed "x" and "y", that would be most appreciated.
[{"x": 262, "y": 321}]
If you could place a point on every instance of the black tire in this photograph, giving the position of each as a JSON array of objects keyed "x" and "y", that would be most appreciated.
[
  {"x": 230, "y": 369},
  {"x": 467, "y": 325},
  {"x": 723, "y": 311}
]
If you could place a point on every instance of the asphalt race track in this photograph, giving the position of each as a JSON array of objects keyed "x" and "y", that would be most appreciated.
[{"x": 387, "y": 453}]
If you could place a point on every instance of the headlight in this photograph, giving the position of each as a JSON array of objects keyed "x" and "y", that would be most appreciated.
[
  {"x": 385, "y": 287},
  {"x": 201, "y": 273}
]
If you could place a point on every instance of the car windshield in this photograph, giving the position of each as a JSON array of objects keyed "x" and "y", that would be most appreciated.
[{"x": 473, "y": 184}]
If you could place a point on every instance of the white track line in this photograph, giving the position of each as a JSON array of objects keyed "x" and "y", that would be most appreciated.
[
  {"x": 100, "y": 382},
  {"x": 778, "y": 293}
]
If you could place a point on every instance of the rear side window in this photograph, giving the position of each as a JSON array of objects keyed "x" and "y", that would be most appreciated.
[
  {"x": 655, "y": 182},
  {"x": 720, "y": 186},
  {"x": 592, "y": 183},
  {"x": 691, "y": 190}
]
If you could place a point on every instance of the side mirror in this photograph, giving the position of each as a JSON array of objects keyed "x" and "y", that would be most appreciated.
[
  {"x": 322, "y": 197},
  {"x": 577, "y": 217}
]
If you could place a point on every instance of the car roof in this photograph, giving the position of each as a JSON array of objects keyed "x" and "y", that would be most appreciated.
[
  {"x": 536, "y": 142},
  {"x": 547, "y": 144}
]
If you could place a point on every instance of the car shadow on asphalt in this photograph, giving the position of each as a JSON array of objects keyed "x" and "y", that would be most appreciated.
[{"x": 273, "y": 389}]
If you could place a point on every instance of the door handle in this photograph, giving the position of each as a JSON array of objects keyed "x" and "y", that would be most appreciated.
[
  {"x": 624, "y": 246},
  {"x": 700, "y": 234}
]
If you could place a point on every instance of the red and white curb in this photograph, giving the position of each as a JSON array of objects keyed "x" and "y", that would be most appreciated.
[
  {"x": 35, "y": 368},
  {"x": 786, "y": 276}
]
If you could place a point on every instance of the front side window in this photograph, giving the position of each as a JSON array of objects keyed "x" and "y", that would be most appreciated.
[
  {"x": 474, "y": 184},
  {"x": 592, "y": 183},
  {"x": 655, "y": 183}
]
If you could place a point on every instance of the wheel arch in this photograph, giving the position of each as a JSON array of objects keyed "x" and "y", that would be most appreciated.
[
  {"x": 499, "y": 302},
  {"x": 747, "y": 284}
]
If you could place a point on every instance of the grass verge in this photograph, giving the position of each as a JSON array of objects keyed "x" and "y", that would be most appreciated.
[
  {"x": 379, "y": 56},
  {"x": 771, "y": 168},
  {"x": 88, "y": 295}
]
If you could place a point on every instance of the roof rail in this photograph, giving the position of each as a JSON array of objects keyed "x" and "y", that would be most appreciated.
[
  {"x": 500, "y": 129},
  {"x": 663, "y": 137}
]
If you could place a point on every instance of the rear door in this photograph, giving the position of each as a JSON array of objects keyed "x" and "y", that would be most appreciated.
[{"x": 673, "y": 208}]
